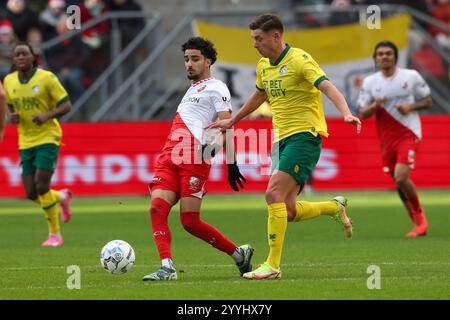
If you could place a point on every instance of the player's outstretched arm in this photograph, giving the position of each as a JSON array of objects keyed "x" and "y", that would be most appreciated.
[
  {"x": 235, "y": 178},
  {"x": 339, "y": 102},
  {"x": 252, "y": 103}
]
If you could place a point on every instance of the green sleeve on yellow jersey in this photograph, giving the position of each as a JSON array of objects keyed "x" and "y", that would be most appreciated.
[{"x": 56, "y": 90}]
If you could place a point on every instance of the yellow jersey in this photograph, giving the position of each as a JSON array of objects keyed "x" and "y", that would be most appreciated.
[
  {"x": 39, "y": 94},
  {"x": 291, "y": 86}
]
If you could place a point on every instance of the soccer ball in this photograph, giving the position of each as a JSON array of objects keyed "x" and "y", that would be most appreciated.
[{"x": 117, "y": 257}]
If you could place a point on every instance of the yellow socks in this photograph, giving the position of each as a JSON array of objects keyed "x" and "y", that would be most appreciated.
[
  {"x": 276, "y": 228},
  {"x": 49, "y": 204},
  {"x": 309, "y": 210},
  {"x": 277, "y": 223}
]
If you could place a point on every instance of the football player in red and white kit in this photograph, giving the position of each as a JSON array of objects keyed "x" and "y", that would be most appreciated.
[
  {"x": 183, "y": 168},
  {"x": 395, "y": 96}
]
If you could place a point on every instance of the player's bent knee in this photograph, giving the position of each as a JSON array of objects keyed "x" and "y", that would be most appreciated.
[
  {"x": 165, "y": 195},
  {"x": 274, "y": 195},
  {"x": 274, "y": 198},
  {"x": 189, "y": 220}
]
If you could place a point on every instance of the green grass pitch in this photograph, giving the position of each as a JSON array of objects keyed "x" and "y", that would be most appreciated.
[{"x": 318, "y": 263}]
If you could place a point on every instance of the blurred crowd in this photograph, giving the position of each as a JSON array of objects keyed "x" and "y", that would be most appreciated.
[
  {"x": 424, "y": 56},
  {"x": 80, "y": 58}
]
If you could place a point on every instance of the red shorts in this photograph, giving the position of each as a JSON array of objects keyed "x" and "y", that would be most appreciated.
[
  {"x": 402, "y": 151},
  {"x": 186, "y": 180}
]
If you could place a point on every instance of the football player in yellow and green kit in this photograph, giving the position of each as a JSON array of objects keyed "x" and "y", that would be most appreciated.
[
  {"x": 35, "y": 98},
  {"x": 292, "y": 82}
]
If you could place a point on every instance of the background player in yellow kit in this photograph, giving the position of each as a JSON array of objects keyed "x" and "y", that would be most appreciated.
[
  {"x": 2, "y": 112},
  {"x": 35, "y": 98},
  {"x": 293, "y": 83}
]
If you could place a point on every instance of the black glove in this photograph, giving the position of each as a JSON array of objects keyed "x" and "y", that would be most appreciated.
[
  {"x": 209, "y": 151},
  {"x": 235, "y": 176}
]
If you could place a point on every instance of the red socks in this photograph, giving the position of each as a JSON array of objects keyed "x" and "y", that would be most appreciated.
[
  {"x": 159, "y": 212},
  {"x": 412, "y": 205},
  {"x": 192, "y": 224},
  {"x": 415, "y": 203}
]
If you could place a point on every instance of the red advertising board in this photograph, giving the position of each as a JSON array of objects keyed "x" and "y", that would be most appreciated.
[{"x": 118, "y": 158}]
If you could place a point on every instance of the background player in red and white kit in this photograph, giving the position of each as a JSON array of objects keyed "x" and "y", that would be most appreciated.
[
  {"x": 396, "y": 95},
  {"x": 183, "y": 168}
]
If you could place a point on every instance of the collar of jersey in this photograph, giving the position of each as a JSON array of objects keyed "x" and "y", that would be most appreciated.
[
  {"x": 25, "y": 81},
  {"x": 201, "y": 81},
  {"x": 282, "y": 55},
  {"x": 391, "y": 77}
]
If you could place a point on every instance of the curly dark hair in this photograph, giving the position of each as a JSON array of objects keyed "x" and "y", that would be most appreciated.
[{"x": 206, "y": 47}]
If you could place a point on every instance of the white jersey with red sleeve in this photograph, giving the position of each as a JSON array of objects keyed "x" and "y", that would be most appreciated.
[
  {"x": 404, "y": 86},
  {"x": 198, "y": 108}
]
